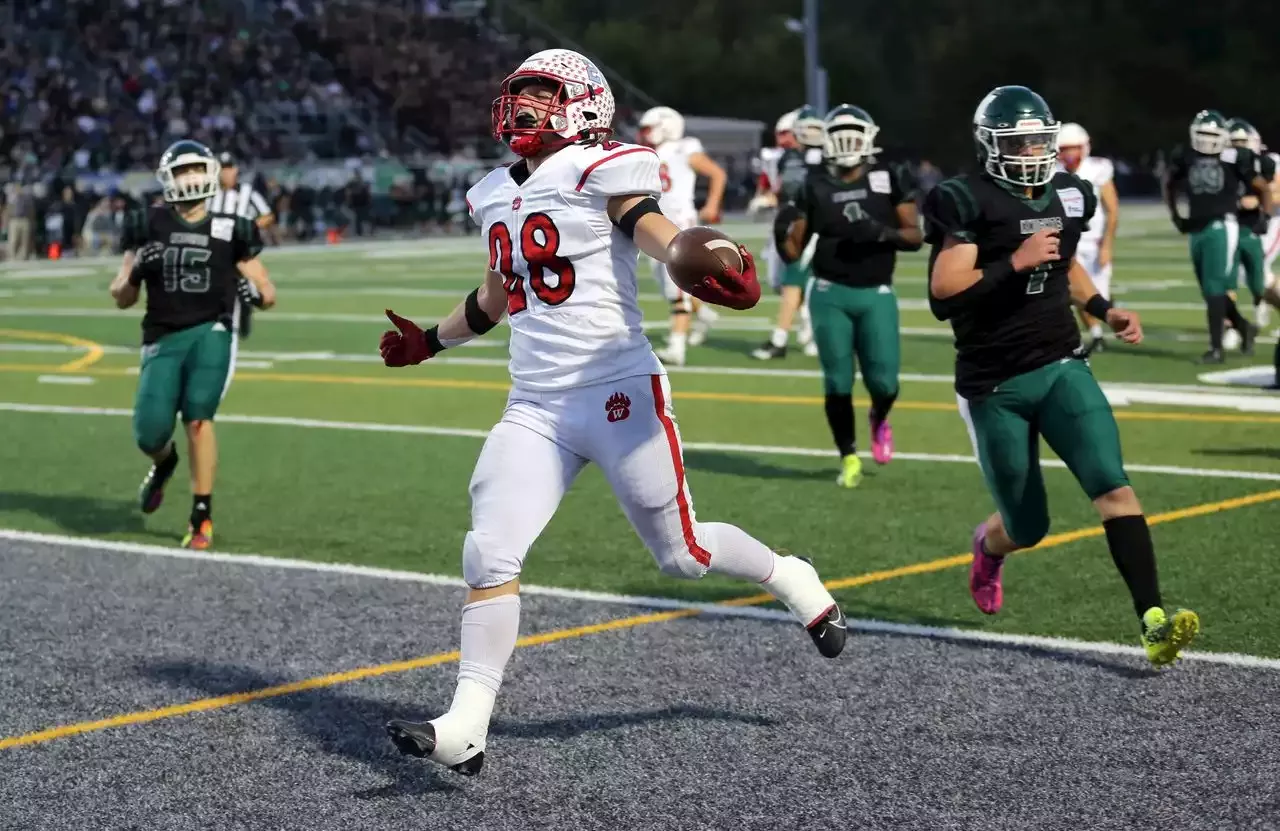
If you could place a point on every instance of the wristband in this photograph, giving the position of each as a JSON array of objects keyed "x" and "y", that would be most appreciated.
[
  {"x": 1098, "y": 306},
  {"x": 434, "y": 346},
  {"x": 998, "y": 270},
  {"x": 477, "y": 320}
]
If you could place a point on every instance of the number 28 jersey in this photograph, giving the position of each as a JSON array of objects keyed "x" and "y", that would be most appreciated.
[
  {"x": 569, "y": 272},
  {"x": 1026, "y": 322},
  {"x": 195, "y": 282}
]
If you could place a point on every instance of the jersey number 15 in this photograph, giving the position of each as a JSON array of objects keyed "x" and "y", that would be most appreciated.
[
  {"x": 539, "y": 245},
  {"x": 185, "y": 270}
]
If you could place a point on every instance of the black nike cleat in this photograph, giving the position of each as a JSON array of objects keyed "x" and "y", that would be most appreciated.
[
  {"x": 829, "y": 632},
  {"x": 1213, "y": 356},
  {"x": 151, "y": 491},
  {"x": 419, "y": 739},
  {"x": 1248, "y": 338},
  {"x": 769, "y": 352}
]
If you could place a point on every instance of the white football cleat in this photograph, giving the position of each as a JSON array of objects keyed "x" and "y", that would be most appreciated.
[
  {"x": 460, "y": 750},
  {"x": 811, "y": 349},
  {"x": 670, "y": 357}
]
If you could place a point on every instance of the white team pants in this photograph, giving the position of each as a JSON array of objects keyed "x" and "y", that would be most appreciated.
[
  {"x": 1271, "y": 245},
  {"x": 1087, "y": 255},
  {"x": 535, "y": 452},
  {"x": 677, "y": 298}
]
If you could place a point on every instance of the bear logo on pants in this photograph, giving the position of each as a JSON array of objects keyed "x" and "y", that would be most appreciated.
[{"x": 618, "y": 407}]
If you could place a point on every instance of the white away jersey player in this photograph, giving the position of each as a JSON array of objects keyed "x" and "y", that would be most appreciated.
[
  {"x": 1097, "y": 172},
  {"x": 679, "y": 181},
  {"x": 569, "y": 273}
]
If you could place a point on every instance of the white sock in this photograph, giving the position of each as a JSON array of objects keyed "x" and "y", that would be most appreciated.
[
  {"x": 806, "y": 324},
  {"x": 798, "y": 586},
  {"x": 779, "y": 338},
  {"x": 489, "y": 632},
  {"x": 735, "y": 553},
  {"x": 1095, "y": 331},
  {"x": 677, "y": 343}
]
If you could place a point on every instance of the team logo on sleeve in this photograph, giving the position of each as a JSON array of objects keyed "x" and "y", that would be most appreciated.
[{"x": 618, "y": 407}]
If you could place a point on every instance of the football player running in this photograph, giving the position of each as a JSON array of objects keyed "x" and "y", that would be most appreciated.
[
  {"x": 564, "y": 226},
  {"x": 794, "y": 165},
  {"x": 682, "y": 161},
  {"x": 862, "y": 212},
  {"x": 1213, "y": 175},
  {"x": 1003, "y": 271},
  {"x": 1253, "y": 222},
  {"x": 1097, "y": 242},
  {"x": 191, "y": 263}
]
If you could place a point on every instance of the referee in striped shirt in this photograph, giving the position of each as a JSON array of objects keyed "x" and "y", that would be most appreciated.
[{"x": 235, "y": 199}]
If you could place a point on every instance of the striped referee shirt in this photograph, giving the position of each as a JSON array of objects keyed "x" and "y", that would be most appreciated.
[{"x": 242, "y": 201}]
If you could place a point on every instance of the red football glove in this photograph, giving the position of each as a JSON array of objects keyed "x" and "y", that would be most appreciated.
[
  {"x": 731, "y": 288},
  {"x": 406, "y": 346}
]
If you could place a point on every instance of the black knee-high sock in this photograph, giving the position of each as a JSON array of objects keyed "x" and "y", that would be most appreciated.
[
  {"x": 881, "y": 405},
  {"x": 1276, "y": 359},
  {"x": 1217, "y": 310},
  {"x": 840, "y": 419},
  {"x": 1237, "y": 319},
  {"x": 1129, "y": 539}
]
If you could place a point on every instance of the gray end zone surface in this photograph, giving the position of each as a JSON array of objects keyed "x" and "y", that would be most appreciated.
[{"x": 698, "y": 723}]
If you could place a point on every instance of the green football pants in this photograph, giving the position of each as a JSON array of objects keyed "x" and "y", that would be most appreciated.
[
  {"x": 183, "y": 372},
  {"x": 1250, "y": 257},
  {"x": 1213, "y": 255},
  {"x": 856, "y": 322},
  {"x": 1063, "y": 403}
]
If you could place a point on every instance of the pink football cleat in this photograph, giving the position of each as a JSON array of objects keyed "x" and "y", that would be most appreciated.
[
  {"x": 984, "y": 575},
  {"x": 881, "y": 441}
]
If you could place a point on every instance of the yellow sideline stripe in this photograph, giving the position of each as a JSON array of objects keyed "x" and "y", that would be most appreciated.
[
  {"x": 93, "y": 353},
  {"x": 321, "y": 681}
]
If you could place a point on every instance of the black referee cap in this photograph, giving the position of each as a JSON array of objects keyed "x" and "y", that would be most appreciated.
[{"x": 226, "y": 159}]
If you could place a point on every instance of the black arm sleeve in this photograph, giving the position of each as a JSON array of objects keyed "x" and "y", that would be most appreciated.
[{"x": 628, "y": 221}]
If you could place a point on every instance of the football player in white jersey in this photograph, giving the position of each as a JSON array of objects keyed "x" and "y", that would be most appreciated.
[
  {"x": 564, "y": 227},
  {"x": 682, "y": 162},
  {"x": 1097, "y": 243}
]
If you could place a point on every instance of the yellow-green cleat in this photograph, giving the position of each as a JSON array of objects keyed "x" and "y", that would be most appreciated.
[
  {"x": 1164, "y": 638},
  {"x": 850, "y": 471}
]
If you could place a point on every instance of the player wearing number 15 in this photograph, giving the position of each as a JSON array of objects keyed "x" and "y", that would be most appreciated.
[
  {"x": 565, "y": 225},
  {"x": 190, "y": 262},
  {"x": 1002, "y": 270}
]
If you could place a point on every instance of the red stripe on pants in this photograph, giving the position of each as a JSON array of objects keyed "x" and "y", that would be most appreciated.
[{"x": 700, "y": 554}]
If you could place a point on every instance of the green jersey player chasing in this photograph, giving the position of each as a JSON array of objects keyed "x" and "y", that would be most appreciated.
[
  {"x": 190, "y": 262},
  {"x": 1002, "y": 271}
]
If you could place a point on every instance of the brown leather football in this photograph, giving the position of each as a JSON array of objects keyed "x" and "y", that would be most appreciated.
[{"x": 697, "y": 259}]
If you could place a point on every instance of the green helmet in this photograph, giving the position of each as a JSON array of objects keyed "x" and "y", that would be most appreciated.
[
  {"x": 1243, "y": 134},
  {"x": 1209, "y": 133},
  {"x": 1016, "y": 136},
  {"x": 808, "y": 127},
  {"x": 851, "y": 136},
  {"x": 180, "y": 181}
]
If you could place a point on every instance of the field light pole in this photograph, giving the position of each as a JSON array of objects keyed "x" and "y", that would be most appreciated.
[{"x": 815, "y": 77}]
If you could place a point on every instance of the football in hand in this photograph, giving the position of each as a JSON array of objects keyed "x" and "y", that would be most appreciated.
[{"x": 699, "y": 261}]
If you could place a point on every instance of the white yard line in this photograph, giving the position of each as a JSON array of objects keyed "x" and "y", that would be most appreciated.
[
  {"x": 751, "y": 449},
  {"x": 913, "y": 630}
]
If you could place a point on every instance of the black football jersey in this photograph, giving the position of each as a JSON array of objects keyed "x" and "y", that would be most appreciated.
[
  {"x": 831, "y": 207},
  {"x": 1264, "y": 166},
  {"x": 1213, "y": 184},
  {"x": 1026, "y": 322},
  {"x": 196, "y": 280},
  {"x": 794, "y": 165}
]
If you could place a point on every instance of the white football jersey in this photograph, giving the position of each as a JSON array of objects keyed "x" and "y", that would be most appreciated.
[
  {"x": 678, "y": 179},
  {"x": 570, "y": 274},
  {"x": 1097, "y": 172},
  {"x": 769, "y": 157}
]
